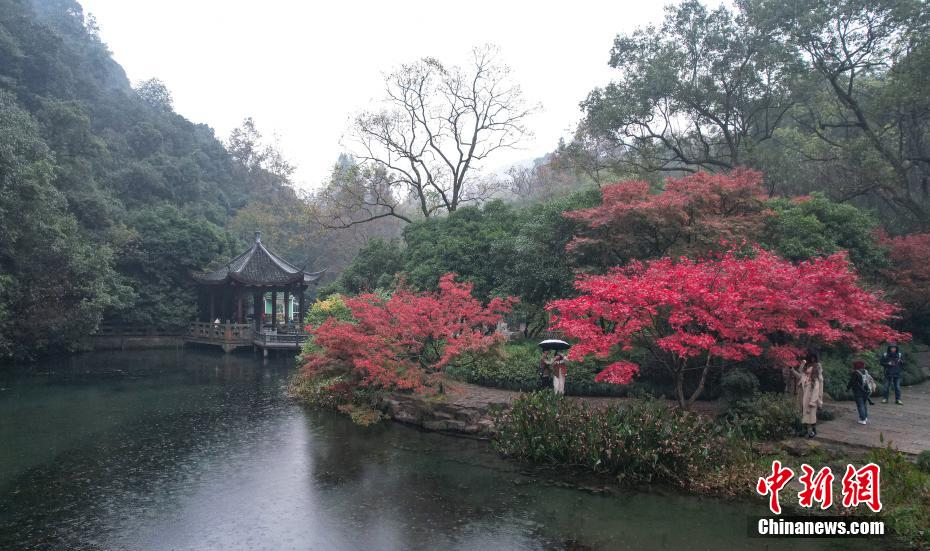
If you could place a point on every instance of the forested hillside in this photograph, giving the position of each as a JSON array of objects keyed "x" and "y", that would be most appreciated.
[{"x": 108, "y": 198}]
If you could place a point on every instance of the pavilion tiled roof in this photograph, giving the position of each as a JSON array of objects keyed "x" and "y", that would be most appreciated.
[{"x": 259, "y": 267}]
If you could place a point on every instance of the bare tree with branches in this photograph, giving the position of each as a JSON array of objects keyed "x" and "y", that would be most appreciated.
[{"x": 429, "y": 142}]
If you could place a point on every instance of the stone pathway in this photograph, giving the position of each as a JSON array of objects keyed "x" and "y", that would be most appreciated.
[
  {"x": 906, "y": 427},
  {"x": 480, "y": 397}
]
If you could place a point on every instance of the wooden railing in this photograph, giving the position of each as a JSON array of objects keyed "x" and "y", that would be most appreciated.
[
  {"x": 281, "y": 339},
  {"x": 220, "y": 332}
]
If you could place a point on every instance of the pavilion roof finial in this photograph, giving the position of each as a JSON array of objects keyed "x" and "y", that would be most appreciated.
[{"x": 258, "y": 236}]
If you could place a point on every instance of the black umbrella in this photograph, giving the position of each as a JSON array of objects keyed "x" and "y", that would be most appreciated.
[{"x": 554, "y": 344}]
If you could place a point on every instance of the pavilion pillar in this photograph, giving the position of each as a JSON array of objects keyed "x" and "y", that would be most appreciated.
[
  {"x": 258, "y": 309},
  {"x": 212, "y": 305},
  {"x": 226, "y": 304},
  {"x": 301, "y": 291},
  {"x": 238, "y": 307},
  {"x": 287, "y": 306},
  {"x": 274, "y": 309}
]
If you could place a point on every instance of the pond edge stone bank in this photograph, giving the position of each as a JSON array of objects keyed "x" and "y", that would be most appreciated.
[{"x": 464, "y": 410}]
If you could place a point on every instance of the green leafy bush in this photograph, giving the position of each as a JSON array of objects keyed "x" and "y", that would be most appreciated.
[
  {"x": 515, "y": 367},
  {"x": 331, "y": 307},
  {"x": 836, "y": 375},
  {"x": 836, "y": 371},
  {"x": 510, "y": 366},
  {"x": 362, "y": 415},
  {"x": 767, "y": 416},
  {"x": 738, "y": 384},
  {"x": 515, "y": 363},
  {"x": 923, "y": 461},
  {"x": 638, "y": 441},
  {"x": 319, "y": 392},
  {"x": 905, "y": 496},
  {"x": 912, "y": 373}
]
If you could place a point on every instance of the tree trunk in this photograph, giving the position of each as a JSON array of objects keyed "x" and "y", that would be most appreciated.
[
  {"x": 700, "y": 387},
  {"x": 680, "y": 388}
]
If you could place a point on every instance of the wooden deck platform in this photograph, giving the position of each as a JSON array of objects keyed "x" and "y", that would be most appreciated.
[{"x": 230, "y": 336}]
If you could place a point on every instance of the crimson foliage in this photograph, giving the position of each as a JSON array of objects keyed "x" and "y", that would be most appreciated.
[
  {"x": 713, "y": 313},
  {"x": 691, "y": 215},
  {"x": 405, "y": 340}
]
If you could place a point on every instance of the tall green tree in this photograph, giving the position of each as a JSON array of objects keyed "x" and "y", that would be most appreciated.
[
  {"x": 815, "y": 226},
  {"x": 699, "y": 92},
  {"x": 157, "y": 259},
  {"x": 865, "y": 68},
  {"x": 123, "y": 180},
  {"x": 55, "y": 279}
]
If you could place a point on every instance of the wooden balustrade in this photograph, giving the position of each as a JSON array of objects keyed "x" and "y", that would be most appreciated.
[
  {"x": 279, "y": 340},
  {"x": 230, "y": 333}
]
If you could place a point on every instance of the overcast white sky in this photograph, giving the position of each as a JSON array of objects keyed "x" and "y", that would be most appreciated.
[{"x": 301, "y": 69}]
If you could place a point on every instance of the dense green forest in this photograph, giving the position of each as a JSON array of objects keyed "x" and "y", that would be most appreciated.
[{"x": 108, "y": 198}]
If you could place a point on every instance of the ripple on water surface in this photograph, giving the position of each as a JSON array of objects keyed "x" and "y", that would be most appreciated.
[{"x": 192, "y": 450}]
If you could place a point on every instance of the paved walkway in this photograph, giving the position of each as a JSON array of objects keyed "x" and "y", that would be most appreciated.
[
  {"x": 907, "y": 427},
  {"x": 481, "y": 397}
]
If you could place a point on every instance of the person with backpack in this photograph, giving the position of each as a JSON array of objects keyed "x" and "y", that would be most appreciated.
[
  {"x": 892, "y": 361},
  {"x": 862, "y": 386}
]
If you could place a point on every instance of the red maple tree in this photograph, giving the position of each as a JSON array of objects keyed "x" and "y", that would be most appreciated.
[
  {"x": 908, "y": 276},
  {"x": 405, "y": 340},
  {"x": 715, "y": 312},
  {"x": 690, "y": 215}
]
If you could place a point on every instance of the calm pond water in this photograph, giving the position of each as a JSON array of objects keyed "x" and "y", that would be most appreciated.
[{"x": 194, "y": 450}]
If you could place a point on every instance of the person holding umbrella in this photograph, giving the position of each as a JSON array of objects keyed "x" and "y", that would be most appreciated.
[
  {"x": 545, "y": 371},
  {"x": 559, "y": 371},
  {"x": 557, "y": 364}
]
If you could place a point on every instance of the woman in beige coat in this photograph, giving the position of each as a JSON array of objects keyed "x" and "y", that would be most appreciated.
[{"x": 810, "y": 391}]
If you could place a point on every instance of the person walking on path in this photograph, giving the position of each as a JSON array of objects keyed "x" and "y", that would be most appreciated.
[
  {"x": 810, "y": 391},
  {"x": 545, "y": 371},
  {"x": 861, "y": 387},
  {"x": 559, "y": 371},
  {"x": 892, "y": 361}
]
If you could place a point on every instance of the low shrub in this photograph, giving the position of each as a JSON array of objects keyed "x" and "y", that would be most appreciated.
[
  {"x": 836, "y": 371},
  {"x": 912, "y": 373},
  {"x": 510, "y": 366},
  {"x": 905, "y": 496},
  {"x": 738, "y": 384},
  {"x": 320, "y": 392},
  {"x": 361, "y": 415},
  {"x": 767, "y": 416},
  {"x": 513, "y": 363},
  {"x": 514, "y": 366},
  {"x": 335, "y": 393},
  {"x": 836, "y": 375},
  {"x": 638, "y": 441},
  {"x": 923, "y": 461}
]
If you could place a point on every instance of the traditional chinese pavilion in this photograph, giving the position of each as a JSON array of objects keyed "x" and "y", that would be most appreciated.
[{"x": 234, "y": 306}]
